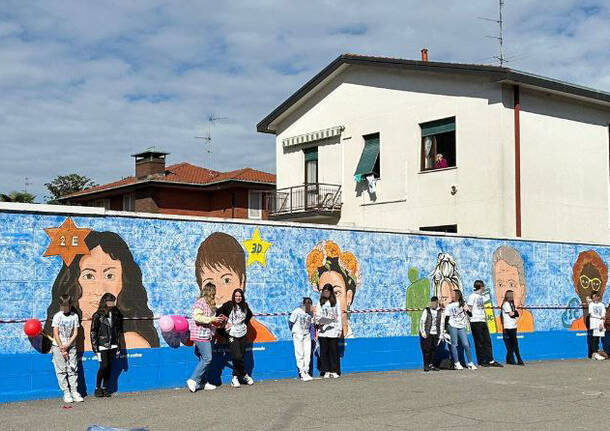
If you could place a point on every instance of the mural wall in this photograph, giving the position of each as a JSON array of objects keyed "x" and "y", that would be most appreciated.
[{"x": 156, "y": 266}]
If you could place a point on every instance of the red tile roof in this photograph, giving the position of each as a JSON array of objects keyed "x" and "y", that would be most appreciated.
[{"x": 188, "y": 174}]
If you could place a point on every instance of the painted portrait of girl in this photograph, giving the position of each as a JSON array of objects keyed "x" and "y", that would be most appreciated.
[
  {"x": 327, "y": 264},
  {"x": 446, "y": 278},
  {"x": 109, "y": 268}
]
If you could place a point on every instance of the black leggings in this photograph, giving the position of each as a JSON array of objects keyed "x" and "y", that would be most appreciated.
[
  {"x": 329, "y": 355},
  {"x": 512, "y": 346},
  {"x": 238, "y": 351},
  {"x": 103, "y": 374}
]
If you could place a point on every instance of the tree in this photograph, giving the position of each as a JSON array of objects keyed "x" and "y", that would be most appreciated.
[
  {"x": 23, "y": 197},
  {"x": 66, "y": 184}
]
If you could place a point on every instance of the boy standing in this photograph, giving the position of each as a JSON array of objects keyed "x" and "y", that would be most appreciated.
[
  {"x": 478, "y": 325},
  {"x": 65, "y": 329},
  {"x": 597, "y": 316},
  {"x": 429, "y": 332},
  {"x": 300, "y": 323}
]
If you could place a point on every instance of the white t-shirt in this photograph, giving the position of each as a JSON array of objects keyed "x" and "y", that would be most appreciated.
[
  {"x": 477, "y": 306},
  {"x": 300, "y": 322},
  {"x": 597, "y": 314},
  {"x": 507, "y": 321},
  {"x": 331, "y": 320},
  {"x": 238, "y": 323},
  {"x": 457, "y": 316},
  {"x": 65, "y": 325}
]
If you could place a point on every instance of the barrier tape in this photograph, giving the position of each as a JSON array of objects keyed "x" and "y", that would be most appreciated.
[{"x": 371, "y": 310}]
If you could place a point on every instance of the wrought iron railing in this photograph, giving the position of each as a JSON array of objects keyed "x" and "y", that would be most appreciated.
[{"x": 318, "y": 197}]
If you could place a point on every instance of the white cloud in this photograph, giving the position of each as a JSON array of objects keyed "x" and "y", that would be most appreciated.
[{"x": 85, "y": 84}]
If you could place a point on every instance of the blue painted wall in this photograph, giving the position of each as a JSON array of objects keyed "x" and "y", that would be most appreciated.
[{"x": 165, "y": 251}]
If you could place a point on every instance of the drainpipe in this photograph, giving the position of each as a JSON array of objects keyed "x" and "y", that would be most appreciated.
[{"x": 517, "y": 109}]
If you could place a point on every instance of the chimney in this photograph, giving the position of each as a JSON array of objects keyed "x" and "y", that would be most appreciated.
[
  {"x": 150, "y": 163},
  {"x": 424, "y": 54}
]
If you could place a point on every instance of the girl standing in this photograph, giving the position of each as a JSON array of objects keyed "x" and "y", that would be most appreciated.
[
  {"x": 328, "y": 318},
  {"x": 456, "y": 316},
  {"x": 509, "y": 322},
  {"x": 106, "y": 337},
  {"x": 597, "y": 316},
  {"x": 238, "y": 315},
  {"x": 202, "y": 331}
]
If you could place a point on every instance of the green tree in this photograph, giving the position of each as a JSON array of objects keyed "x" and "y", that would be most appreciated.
[
  {"x": 23, "y": 197},
  {"x": 66, "y": 184}
]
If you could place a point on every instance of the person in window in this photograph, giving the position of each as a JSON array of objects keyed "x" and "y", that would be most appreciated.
[{"x": 440, "y": 162}]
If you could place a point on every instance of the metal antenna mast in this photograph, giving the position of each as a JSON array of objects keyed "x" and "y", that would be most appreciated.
[
  {"x": 26, "y": 183},
  {"x": 500, "y": 37},
  {"x": 212, "y": 118}
]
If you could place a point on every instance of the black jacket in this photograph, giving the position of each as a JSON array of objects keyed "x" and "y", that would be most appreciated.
[
  {"x": 225, "y": 310},
  {"x": 103, "y": 334}
]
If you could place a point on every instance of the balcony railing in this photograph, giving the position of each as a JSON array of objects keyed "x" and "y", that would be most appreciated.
[{"x": 314, "y": 199}]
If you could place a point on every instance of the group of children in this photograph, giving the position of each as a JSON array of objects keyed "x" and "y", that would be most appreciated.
[{"x": 449, "y": 324}]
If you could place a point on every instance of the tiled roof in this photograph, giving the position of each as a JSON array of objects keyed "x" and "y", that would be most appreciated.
[{"x": 189, "y": 174}]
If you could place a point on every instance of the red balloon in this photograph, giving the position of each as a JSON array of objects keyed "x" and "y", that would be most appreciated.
[
  {"x": 32, "y": 328},
  {"x": 188, "y": 342}
]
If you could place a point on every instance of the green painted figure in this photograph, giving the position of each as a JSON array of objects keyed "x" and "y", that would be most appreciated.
[{"x": 418, "y": 295}]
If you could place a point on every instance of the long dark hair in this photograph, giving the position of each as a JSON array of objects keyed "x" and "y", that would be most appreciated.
[
  {"x": 332, "y": 299},
  {"x": 460, "y": 296},
  {"x": 103, "y": 307},
  {"x": 132, "y": 301},
  {"x": 243, "y": 306}
]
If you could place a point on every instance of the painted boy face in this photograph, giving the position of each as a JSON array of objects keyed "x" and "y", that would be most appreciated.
[
  {"x": 99, "y": 273},
  {"x": 589, "y": 282},
  {"x": 225, "y": 280},
  {"x": 343, "y": 295},
  {"x": 507, "y": 278}
]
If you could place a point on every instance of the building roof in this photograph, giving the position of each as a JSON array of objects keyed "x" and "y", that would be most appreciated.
[
  {"x": 499, "y": 74},
  {"x": 186, "y": 174}
]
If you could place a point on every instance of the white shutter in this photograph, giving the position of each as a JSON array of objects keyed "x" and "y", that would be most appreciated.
[{"x": 255, "y": 205}]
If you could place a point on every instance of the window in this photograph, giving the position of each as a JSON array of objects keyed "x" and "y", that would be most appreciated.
[
  {"x": 447, "y": 228},
  {"x": 438, "y": 144},
  {"x": 369, "y": 159},
  {"x": 311, "y": 177},
  {"x": 255, "y": 205},
  {"x": 101, "y": 203},
  {"x": 129, "y": 202}
]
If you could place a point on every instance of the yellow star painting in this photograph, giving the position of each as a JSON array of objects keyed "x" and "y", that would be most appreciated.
[
  {"x": 257, "y": 249},
  {"x": 67, "y": 241}
]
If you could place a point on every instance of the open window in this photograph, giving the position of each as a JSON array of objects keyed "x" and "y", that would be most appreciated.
[
  {"x": 438, "y": 144},
  {"x": 369, "y": 159},
  {"x": 129, "y": 202},
  {"x": 255, "y": 205},
  {"x": 447, "y": 228}
]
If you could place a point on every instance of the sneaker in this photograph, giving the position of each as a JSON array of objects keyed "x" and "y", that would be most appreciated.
[
  {"x": 334, "y": 375},
  {"x": 471, "y": 366},
  {"x": 77, "y": 398},
  {"x": 484, "y": 365},
  {"x": 106, "y": 393},
  {"x": 458, "y": 366},
  {"x": 521, "y": 363},
  {"x": 327, "y": 375},
  {"x": 306, "y": 377},
  {"x": 209, "y": 387},
  {"x": 192, "y": 385},
  {"x": 99, "y": 393},
  {"x": 235, "y": 382},
  {"x": 426, "y": 369},
  {"x": 496, "y": 364},
  {"x": 68, "y": 398},
  {"x": 249, "y": 380},
  {"x": 433, "y": 368}
]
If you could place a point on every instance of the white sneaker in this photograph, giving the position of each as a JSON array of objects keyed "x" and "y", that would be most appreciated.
[
  {"x": 306, "y": 377},
  {"x": 192, "y": 385},
  {"x": 334, "y": 375},
  {"x": 458, "y": 366},
  {"x": 68, "y": 397},
  {"x": 77, "y": 398},
  {"x": 249, "y": 380},
  {"x": 327, "y": 375},
  {"x": 209, "y": 387},
  {"x": 471, "y": 366},
  {"x": 235, "y": 382}
]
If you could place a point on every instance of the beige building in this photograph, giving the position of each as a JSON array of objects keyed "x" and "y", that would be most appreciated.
[{"x": 360, "y": 145}]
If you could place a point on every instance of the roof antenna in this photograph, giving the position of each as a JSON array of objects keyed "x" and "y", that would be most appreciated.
[
  {"x": 26, "y": 183},
  {"x": 500, "y": 37},
  {"x": 212, "y": 118}
]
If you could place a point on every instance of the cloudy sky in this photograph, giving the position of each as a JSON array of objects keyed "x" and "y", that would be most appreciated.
[{"x": 84, "y": 84}]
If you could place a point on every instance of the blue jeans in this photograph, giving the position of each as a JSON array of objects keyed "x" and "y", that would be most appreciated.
[
  {"x": 459, "y": 333},
  {"x": 203, "y": 350},
  {"x": 606, "y": 341}
]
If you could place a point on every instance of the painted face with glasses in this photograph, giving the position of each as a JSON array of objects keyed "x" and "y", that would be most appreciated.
[{"x": 589, "y": 282}]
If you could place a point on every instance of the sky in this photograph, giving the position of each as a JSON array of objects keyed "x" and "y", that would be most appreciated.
[{"x": 85, "y": 84}]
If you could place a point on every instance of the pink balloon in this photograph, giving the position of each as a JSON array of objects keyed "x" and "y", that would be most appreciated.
[
  {"x": 166, "y": 323},
  {"x": 180, "y": 323}
]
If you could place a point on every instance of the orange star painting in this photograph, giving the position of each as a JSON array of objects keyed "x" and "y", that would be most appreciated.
[{"x": 67, "y": 241}]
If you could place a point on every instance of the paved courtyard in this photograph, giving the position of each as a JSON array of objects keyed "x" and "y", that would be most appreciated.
[{"x": 559, "y": 395}]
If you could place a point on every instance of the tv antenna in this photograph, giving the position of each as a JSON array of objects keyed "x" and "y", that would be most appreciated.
[
  {"x": 500, "y": 21},
  {"x": 212, "y": 119},
  {"x": 26, "y": 183}
]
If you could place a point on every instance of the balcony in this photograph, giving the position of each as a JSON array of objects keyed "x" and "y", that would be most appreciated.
[{"x": 308, "y": 202}]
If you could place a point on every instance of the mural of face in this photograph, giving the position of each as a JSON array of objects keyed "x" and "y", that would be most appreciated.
[
  {"x": 343, "y": 295},
  {"x": 589, "y": 282},
  {"x": 99, "y": 274},
  {"x": 506, "y": 277},
  {"x": 225, "y": 280},
  {"x": 446, "y": 292}
]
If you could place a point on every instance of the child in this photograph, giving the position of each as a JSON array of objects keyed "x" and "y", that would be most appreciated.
[
  {"x": 429, "y": 331},
  {"x": 202, "y": 329},
  {"x": 328, "y": 318},
  {"x": 456, "y": 314},
  {"x": 300, "y": 322},
  {"x": 478, "y": 325},
  {"x": 597, "y": 316},
  {"x": 106, "y": 337},
  {"x": 65, "y": 329},
  {"x": 509, "y": 318}
]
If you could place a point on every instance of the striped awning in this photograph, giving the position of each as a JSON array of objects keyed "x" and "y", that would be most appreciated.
[{"x": 312, "y": 136}]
